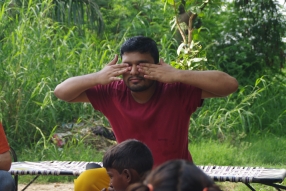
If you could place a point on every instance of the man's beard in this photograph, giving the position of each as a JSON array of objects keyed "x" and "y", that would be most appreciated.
[{"x": 140, "y": 88}]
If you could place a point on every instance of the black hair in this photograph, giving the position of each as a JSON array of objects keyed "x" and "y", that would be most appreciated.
[
  {"x": 141, "y": 44},
  {"x": 179, "y": 175},
  {"x": 129, "y": 154}
]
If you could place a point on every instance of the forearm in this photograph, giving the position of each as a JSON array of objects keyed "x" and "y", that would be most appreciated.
[
  {"x": 215, "y": 82},
  {"x": 74, "y": 86},
  {"x": 5, "y": 161}
]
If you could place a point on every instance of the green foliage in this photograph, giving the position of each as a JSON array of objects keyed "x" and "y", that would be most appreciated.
[
  {"x": 253, "y": 109},
  {"x": 265, "y": 150},
  {"x": 80, "y": 14},
  {"x": 248, "y": 39},
  {"x": 189, "y": 31},
  {"x": 131, "y": 18},
  {"x": 83, "y": 14},
  {"x": 36, "y": 54}
]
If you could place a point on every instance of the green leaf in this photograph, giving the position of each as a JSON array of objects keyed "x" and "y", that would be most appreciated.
[
  {"x": 171, "y": 2},
  {"x": 180, "y": 48}
]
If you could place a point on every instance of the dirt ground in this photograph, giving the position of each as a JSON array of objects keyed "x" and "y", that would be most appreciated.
[{"x": 51, "y": 186}]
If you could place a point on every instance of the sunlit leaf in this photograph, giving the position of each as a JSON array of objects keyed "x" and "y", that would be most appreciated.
[
  {"x": 180, "y": 48},
  {"x": 171, "y": 2}
]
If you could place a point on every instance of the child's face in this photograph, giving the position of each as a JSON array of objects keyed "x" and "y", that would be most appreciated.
[{"x": 119, "y": 182}]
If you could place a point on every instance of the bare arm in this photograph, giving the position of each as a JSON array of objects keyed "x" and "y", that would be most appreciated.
[
  {"x": 73, "y": 89},
  {"x": 5, "y": 161},
  {"x": 213, "y": 83}
]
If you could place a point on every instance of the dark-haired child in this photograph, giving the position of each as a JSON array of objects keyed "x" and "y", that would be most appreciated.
[
  {"x": 126, "y": 163},
  {"x": 179, "y": 175}
]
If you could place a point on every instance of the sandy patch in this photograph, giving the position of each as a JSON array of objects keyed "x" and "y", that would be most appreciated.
[{"x": 50, "y": 186}]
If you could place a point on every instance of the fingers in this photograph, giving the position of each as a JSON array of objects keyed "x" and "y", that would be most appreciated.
[
  {"x": 119, "y": 72},
  {"x": 147, "y": 68},
  {"x": 115, "y": 78},
  {"x": 161, "y": 61},
  {"x": 114, "y": 60},
  {"x": 116, "y": 69},
  {"x": 148, "y": 73},
  {"x": 150, "y": 77},
  {"x": 144, "y": 70}
]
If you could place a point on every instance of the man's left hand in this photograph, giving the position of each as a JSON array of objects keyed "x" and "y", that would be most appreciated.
[{"x": 161, "y": 72}]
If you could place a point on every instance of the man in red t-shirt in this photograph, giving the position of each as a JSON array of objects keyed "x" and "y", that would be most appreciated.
[
  {"x": 152, "y": 102},
  {"x": 6, "y": 181}
]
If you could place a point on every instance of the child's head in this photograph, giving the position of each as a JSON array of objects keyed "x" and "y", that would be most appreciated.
[
  {"x": 127, "y": 162},
  {"x": 179, "y": 175}
]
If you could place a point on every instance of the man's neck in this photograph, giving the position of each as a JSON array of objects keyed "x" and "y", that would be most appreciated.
[{"x": 144, "y": 96}]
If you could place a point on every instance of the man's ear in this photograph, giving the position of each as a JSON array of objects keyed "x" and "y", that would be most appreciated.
[{"x": 127, "y": 175}]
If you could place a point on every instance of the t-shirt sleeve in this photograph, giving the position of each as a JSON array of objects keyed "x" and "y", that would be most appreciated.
[
  {"x": 191, "y": 97},
  {"x": 4, "y": 146},
  {"x": 100, "y": 96},
  {"x": 97, "y": 96}
]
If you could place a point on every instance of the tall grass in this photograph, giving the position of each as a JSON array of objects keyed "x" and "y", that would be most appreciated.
[
  {"x": 253, "y": 109},
  {"x": 36, "y": 54}
]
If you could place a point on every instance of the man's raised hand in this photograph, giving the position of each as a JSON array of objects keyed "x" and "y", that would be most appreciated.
[
  {"x": 161, "y": 72},
  {"x": 112, "y": 71}
]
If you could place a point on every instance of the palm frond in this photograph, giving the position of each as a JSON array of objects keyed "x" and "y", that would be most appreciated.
[{"x": 81, "y": 13}]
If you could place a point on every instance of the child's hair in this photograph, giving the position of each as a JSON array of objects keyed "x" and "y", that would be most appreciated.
[
  {"x": 129, "y": 154},
  {"x": 179, "y": 175}
]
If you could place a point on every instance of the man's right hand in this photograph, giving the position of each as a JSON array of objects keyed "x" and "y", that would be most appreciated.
[
  {"x": 111, "y": 71},
  {"x": 73, "y": 89}
]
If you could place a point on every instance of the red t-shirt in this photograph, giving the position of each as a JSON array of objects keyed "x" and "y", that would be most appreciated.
[
  {"x": 162, "y": 123},
  {"x": 4, "y": 147}
]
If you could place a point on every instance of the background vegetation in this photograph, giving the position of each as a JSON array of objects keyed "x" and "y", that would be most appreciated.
[{"x": 44, "y": 42}]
